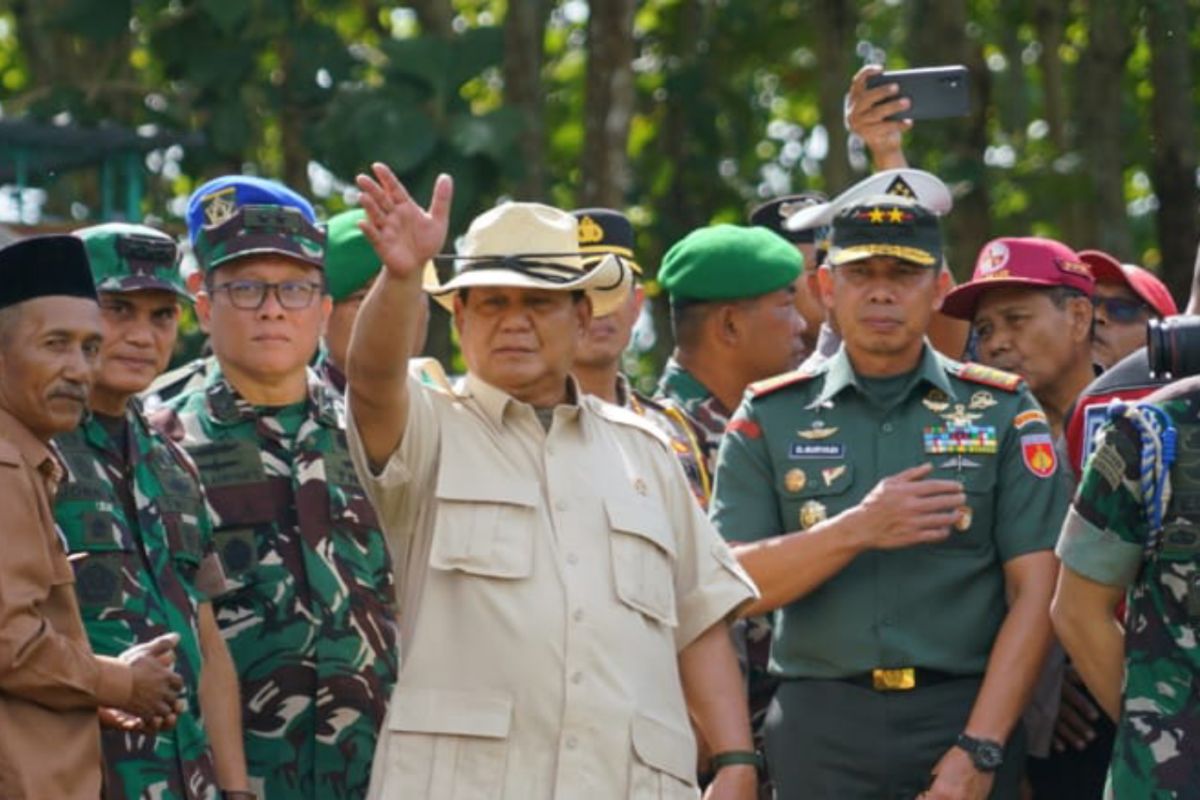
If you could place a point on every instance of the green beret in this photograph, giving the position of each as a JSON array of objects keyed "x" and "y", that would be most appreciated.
[
  {"x": 729, "y": 262},
  {"x": 350, "y": 261}
]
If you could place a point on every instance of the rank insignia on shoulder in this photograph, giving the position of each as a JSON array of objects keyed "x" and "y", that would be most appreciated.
[
  {"x": 989, "y": 376},
  {"x": 777, "y": 382}
]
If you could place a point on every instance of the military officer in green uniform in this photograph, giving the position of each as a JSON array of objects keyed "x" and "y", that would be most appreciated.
[
  {"x": 139, "y": 534},
  {"x": 889, "y": 504},
  {"x": 598, "y": 357},
  {"x": 1133, "y": 535},
  {"x": 350, "y": 268},
  {"x": 308, "y": 607},
  {"x": 733, "y": 315}
]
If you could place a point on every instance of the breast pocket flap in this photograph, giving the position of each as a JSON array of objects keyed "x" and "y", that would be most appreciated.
[{"x": 452, "y": 712}]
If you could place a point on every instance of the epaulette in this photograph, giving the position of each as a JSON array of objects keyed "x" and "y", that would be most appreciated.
[
  {"x": 775, "y": 383},
  {"x": 623, "y": 416},
  {"x": 988, "y": 376}
]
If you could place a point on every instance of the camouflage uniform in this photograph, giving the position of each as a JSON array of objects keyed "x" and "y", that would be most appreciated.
[
  {"x": 1106, "y": 539},
  {"x": 138, "y": 533},
  {"x": 678, "y": 388},
  {"x": 673, "y": 424},
  {"x": 708, "y": 416},
  {"x": 330, "y": 375},
  {"x": 308, "y": 614}
]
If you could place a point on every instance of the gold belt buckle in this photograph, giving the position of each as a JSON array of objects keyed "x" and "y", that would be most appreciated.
[{"x": 901, "y": 679}]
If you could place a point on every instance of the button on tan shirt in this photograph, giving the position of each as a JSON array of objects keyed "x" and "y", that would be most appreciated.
[
  {"x": 548, "y": 581},
  {"x": 50, "y": 682}
]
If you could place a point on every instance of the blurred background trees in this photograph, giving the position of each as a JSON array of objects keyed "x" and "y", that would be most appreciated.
[{"x": 681, "y": 112}]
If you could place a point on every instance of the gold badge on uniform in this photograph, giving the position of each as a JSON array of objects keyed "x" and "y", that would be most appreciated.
[
  {"x": 936, "y": 401},
  {"x": 811, "y": 513},
  {"x": 831, "y": 474},
  {"x": 795, "y": 480},
  {"x": 964, "y": 518},
  {"x": 817, "y": 431},
  {"x": 981, "y": 401}
]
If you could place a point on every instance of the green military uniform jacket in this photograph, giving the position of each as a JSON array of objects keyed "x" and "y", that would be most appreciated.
[
  {"x": 309, "y": 613},
  {"x": 136, "y": 574},
  {"x": 1107, "y": 539},
  {"x": 806, "y": 446}
]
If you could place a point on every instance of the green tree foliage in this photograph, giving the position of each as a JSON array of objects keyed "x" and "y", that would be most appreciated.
[{"x": 728, "y": 110}]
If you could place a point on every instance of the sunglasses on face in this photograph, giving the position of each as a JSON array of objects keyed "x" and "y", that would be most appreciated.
[{"x": 1121, "y": 310}]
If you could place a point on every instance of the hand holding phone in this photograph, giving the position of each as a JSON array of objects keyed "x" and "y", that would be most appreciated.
[{"x": 932, "y": 92}]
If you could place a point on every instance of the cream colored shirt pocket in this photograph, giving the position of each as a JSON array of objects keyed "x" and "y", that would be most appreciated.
[
  {"x": 643, "y": 553},
  {"x": 446, "y": 744},
  {"x": 485, "y": 530},
  {"x": 664, "y": 767}
]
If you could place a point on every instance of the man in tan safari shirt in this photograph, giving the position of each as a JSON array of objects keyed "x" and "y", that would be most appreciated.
[{"x": 565, "y": 598}]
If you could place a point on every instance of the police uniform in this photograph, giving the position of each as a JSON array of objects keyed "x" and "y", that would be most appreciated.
[
  {"x": 140, "y": 540},
  {"x": 603, "y": 231},
  {"x": 1111, "y": 537},
  {"x": 882, "y": 662},
  {"x": 308, "y": 612}
]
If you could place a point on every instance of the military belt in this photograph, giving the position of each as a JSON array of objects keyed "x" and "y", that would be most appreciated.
[{"x": 903, "y": 679}]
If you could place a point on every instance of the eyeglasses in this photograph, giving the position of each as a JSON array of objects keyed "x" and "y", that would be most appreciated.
[
  {"x": 250, "y": 295},
  {"x": 1121, "y": 310}
]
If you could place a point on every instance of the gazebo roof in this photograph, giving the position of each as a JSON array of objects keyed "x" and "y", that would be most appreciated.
[{"x": 31, "y": 148}]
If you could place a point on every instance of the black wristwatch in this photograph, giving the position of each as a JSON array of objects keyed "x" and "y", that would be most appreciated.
[{"x": 985, "y": 754}]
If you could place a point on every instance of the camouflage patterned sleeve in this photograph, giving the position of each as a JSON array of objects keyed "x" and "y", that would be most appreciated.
[
  {"x": 745, "y": 507},
  {"x": 1102, "y": 537}
]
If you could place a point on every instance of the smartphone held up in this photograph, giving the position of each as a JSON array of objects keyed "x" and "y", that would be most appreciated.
[{"x": 932, "y": 92}]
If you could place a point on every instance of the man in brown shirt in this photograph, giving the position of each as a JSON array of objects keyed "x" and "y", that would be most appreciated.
[{"x": 51, "y": 684}]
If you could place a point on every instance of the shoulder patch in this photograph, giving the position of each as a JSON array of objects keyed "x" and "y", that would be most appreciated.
[
  {"x": 782, "y": 381},
  {"x": 989, "y": 376}
]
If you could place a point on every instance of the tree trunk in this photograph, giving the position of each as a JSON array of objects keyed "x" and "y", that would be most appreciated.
[
  {"x": 435, "y": 16},
  {"x": 1173, "y": 142},
  {"x": 608, "y": 103},
  {"x": 1102, "y": 220},
  {"x": 834, "y": 21},
  {"x": 524, "y": 35}
]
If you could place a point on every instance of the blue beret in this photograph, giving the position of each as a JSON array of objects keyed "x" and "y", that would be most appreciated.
[
  {"x": 728, "y": 262},
  {"x": 218, "y": 200}
]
